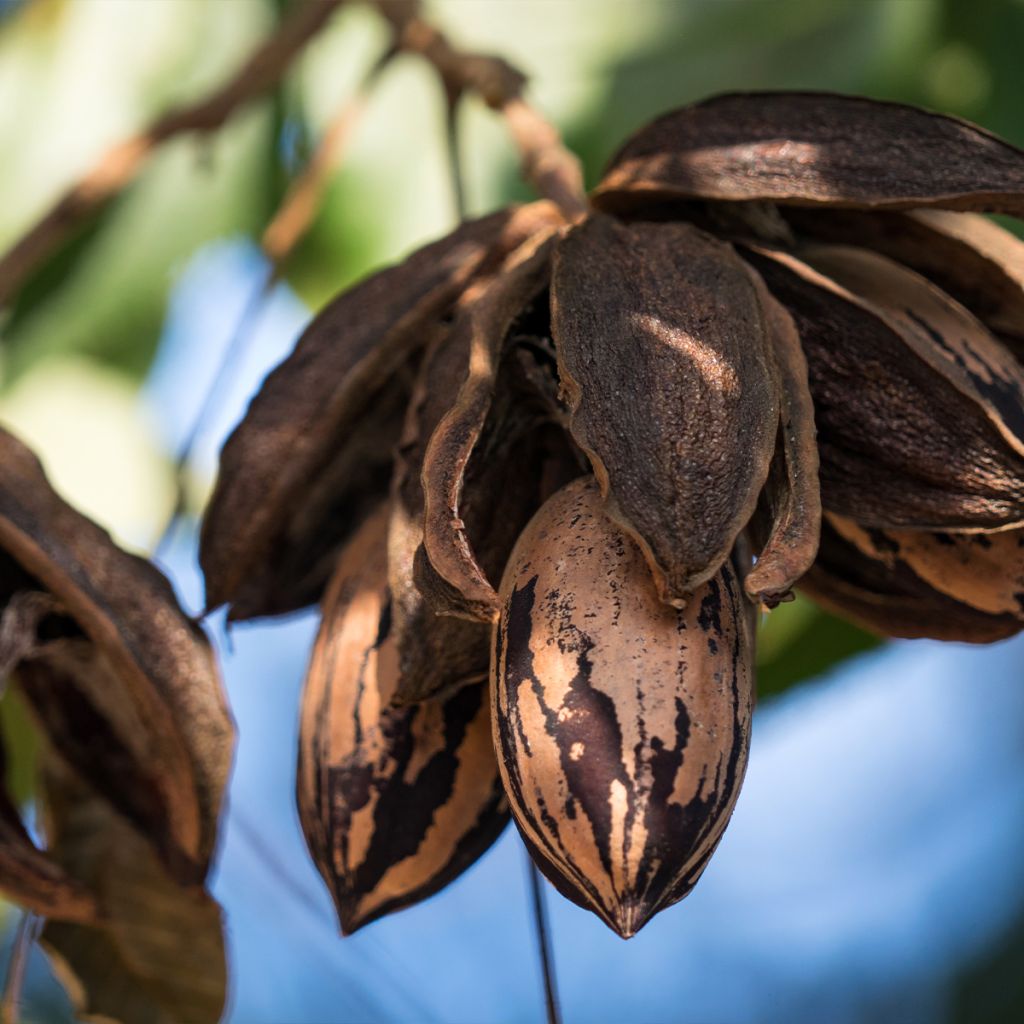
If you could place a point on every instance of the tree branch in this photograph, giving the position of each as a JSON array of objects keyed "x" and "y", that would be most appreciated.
[
  {"x": 120, "y": 165},
  {"x": 286, "y": 229},
  {"x": 552, "y": 170}
]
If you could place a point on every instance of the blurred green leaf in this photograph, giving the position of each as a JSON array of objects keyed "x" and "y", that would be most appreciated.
[
  {"x": 103, "y": 293},
  {"x": 799, "y": 641},
  {"x": 991, "y": 989},
  {"x": 20, "y": 745}
]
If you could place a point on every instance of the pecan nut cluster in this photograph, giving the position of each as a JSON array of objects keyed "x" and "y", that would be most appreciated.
[{"x": 568, "y": 462}]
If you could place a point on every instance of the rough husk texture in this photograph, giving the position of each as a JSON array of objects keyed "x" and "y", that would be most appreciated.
[{"x": 665, "y": 355}]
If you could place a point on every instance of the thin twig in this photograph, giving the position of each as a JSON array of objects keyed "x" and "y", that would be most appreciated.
[
  {"x": 120, "y": 165},
  {"x": 546, "y": 163},
  {"x": 244, "y": 329},
  {"x": 452, "y": 138},
  {"x": 29, "y": 928},
  {"x": 286, "y": 229},
  {"x": 302, "y": 201},
  {"x": 540, "y": 921}
]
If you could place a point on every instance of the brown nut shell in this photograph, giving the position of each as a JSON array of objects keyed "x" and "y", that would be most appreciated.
[{"x": 622, "y": 724}]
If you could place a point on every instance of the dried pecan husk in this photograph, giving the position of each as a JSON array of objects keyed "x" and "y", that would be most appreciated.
[
  {"x": 394, "y": 802},
  {"x": 814, "y": 149},
  {"x": 666, "y": 356},
  {"x": 982, "y": 570},
  {"x": 313, "y": 454},
  {"x": 940, "y": 331},
  {"x": 156, "y": 953},
  {"x": 790, "y": 503},
  {"x": 123, "y": 684},
  {"x": 969, "y": 257},
  {"x": 293, "y": 572},
  {"x": 895, "y": 584},
  {"x": 436, "y": 654},
  {"x": 520, "y": 458},
  {"x": 622, "y": 724},
  {"x": 504, "y": 484},
  {"x": 906, "y": 437},
  {"x": 489, "y": 323}
]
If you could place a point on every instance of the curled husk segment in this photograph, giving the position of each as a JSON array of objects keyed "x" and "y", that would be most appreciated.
[
  {"x": 790, "y": 508},
  {"x": 975, "y": 261},
  {"x": 916, "y": 583},
  {"x": 665, "y": 354},
  {"x": 505, "y": 480},
  {"x": 394, "y": 802},
  {"x": 487, "y": 325},
  {"x": 622, "y": 725},
  {"x": 911, "y": 431},
  {"x": 122, "y": 683},
  {"x": 814, "y": 149},
  {"x": 436, "y": 654},
  {"x": 312, "y": 456}
]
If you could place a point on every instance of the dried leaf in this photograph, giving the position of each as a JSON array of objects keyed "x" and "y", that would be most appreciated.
[
  {"x": 982, "y": 570},
  {"x": 622, "y": 725},
  {"x": 123, "y": 684},
  {"x": 810, "y": 149},
  {"x": 489, "y": 323},
  {"x": 394, "y": 802},
  {"x": 863, "y": 583},
  {"x": 900, "y": 444},
  {"x": 313, "y": 452},
  {"x": 792, "y": 496},
  {"x": 158, "y": 957},
  {"x": 975, "y": 261},
  {"x": 664, "y": 353}
]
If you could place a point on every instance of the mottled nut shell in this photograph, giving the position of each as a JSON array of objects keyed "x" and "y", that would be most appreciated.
[
  {"x": 622, "y": 725},
  {"x": 394, "y": 802}
]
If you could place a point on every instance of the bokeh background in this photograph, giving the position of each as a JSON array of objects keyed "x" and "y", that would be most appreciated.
[{"x": 874, "y": 869}]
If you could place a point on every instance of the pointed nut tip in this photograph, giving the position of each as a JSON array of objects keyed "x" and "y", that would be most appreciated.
[{"x": 630, "y": 916}]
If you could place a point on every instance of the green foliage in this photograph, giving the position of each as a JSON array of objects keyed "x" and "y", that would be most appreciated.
[
  {"x": 799, "y": 641},
  {"x": 104, "y": 292}
]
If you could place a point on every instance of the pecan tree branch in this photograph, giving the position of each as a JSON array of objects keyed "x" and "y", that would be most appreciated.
[
  {"x": 120, "y": 165},
  {"x": 303, "y": 199},
  {"x": 552, "y": 170},
  {"x": 285, "y": 230}
]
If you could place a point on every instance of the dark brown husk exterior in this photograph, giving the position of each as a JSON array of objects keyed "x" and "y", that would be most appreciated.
[
  {"x": 313, "y": 455},
  {"x": 123, "y": 684}
]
